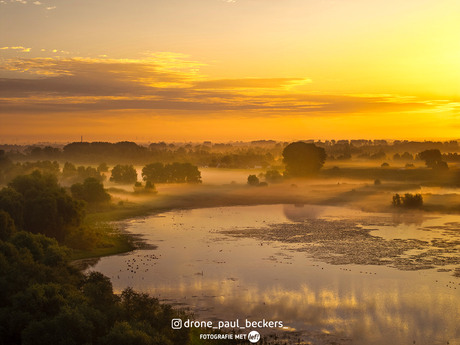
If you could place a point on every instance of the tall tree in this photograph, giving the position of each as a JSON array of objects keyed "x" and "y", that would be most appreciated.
[
  {"x": 302, "y": 159},
  {"x": 124, "y": 174}
]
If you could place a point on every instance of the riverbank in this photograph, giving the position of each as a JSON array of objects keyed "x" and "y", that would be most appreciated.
[{"x": 113, "y": 239}]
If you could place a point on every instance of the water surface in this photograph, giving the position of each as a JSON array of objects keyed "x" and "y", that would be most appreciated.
[{"x": 224, "y": 275}]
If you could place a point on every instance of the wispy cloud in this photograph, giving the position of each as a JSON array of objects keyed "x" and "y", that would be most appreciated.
[
  {"x": 51, "y": 8},
  {"x": 37, "y": 3},
  {"x": 22, "y": 49},
  {"x": 174, "y": 82},
  {"x": 251, "y": 83}
]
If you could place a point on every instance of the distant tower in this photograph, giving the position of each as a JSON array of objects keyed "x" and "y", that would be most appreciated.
[{"x": 81, "y": 140}]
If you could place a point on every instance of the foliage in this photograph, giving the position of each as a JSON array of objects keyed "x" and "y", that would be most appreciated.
[
  {"x": 45, "y": 300},
  {"x": 433, "y": 159},
  {"x": 124, "y": 174},
  {"x": 148, "y": 188},
  {"x": 7, "y": 227},
  {"x": 149, "y": 185},
  {"x": 171, "y": 173},
  {"x": 69, "y": 169},
  {"x": 46, "y": 207},
  {"x": 303, "y": 159},
  {"x": 408, "y": 200},
  {"x": 91, "y": 191},
  {"x": 273, "y": 176},
  {"x": 82, "y": 238},
  {"x": 8, "y": 170},
  {"x": 12, "y": 202},
  {"x": 81, "y": 173},
  {"x": 253, "y": 180},
  {"x": 103, "y": 167}
]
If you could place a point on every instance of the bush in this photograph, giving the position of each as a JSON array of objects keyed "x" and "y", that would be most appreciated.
[
  {"x": 273, "y": 176},
  {"x": 408, "y": 200},
  {"x": 253, "y": 180}
]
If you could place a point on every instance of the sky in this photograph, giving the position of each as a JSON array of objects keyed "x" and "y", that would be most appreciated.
[{"x": 223, "y": 70}]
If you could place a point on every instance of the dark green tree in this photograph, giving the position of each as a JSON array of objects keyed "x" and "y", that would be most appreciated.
[
  {"x": 91, "y": 191},
  {"x": 125, "y": 174},
  {"x": 47, "y": 208},
  {"x": 7, "y": 227},
  {"x": 154, "y": 172},
  {"x": 302, "y": 159},
  {"x": 12, "y": 203}
]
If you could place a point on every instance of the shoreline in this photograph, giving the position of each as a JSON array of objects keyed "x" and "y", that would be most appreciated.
[{"x": 206, "y": 196}]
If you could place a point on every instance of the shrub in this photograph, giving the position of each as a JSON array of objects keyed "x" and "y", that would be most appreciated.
[
  {"x": 253, "y": 180},
  {"x": 408, "y": 200}
]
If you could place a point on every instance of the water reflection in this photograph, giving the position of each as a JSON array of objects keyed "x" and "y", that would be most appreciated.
[{"x": 225, "y": 278}]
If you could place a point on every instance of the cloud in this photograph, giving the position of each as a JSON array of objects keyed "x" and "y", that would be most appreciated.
[
  {"x": 21, "y": 1},
  {"x": 24, "y": 50},
  {"x": 173, "y": 81},
  {"x": 51, "y": 8},
  {"x": 37, "y": 3},
  {"x": 251, "y": 83}
]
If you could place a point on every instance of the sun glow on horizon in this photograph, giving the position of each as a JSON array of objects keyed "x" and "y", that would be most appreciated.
[{"x": 238, "y": 70}]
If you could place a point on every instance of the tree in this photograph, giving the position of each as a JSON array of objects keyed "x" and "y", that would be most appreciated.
[
  {"x": 433, "y": 159},
  {"x": 69, "y": 169},
  {"x": 149, "y": 186},
  {"x": 7, "y": 227},
  {"x": 273, "y": 176},
  {"x": 12, "y": 203},
  {"x": 253, "y": 180},
  {"x": 46, "y": 207},
  {"x": 154, "y": 172},
  {"x": 408, "y": 200},
  {"x": 91, "y": 190},
  {"x": 124, "y": 174},
  {"x": 103, "y": 167},
  {"x": 4, "y": 161},
  {"x": 302, "y": 159},
  {"x": 171, "y": 173}
]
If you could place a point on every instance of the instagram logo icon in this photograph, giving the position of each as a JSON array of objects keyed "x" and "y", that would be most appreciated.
[{"x": 176, "y": 323}]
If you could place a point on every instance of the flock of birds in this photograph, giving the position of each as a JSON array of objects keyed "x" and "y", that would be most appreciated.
[{"x": 132, "y": 265}]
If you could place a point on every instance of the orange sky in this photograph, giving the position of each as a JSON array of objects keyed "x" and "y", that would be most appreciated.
[{"x": 180, "y": 70}]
